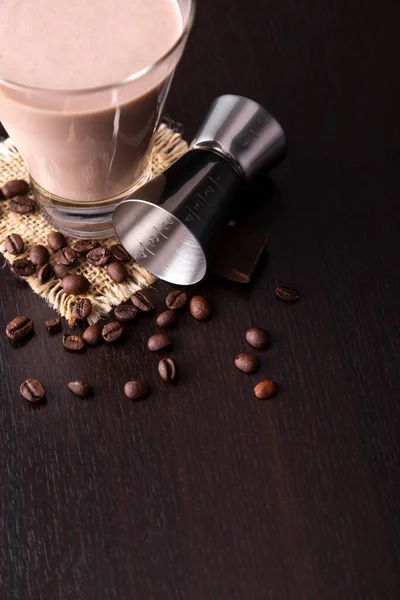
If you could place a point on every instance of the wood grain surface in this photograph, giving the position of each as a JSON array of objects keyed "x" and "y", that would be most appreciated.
[{"x": 203, "y": 492}]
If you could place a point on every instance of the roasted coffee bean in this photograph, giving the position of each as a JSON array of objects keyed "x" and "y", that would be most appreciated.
[
  {"x": 66, "y": 256},
  {"x": 168, "y": 318},
  {"x": 167, "y": 370},
  {"x": 23, "y": 205},
  {"x": 117, "y": 271},
  {"x": 266, "y": 389},
  {"x": 82, "y": 247},
  {"x": 112, "y": 331},
  {"x": 74, "y": 343},
  {"x": 99, "y": 257},
  {"x": 136, "y": 390},
  {"x": 176, "y": 300},
  {"x": 39, "y": 255},
  {"x": 143, "y": 301},
  {"x": 32, "y": 390},
  {"x": 15, "y": 187},
  {"x": 56, "y": 241},
  {"x": 258, "y": 338},
  {"x": 247, "y": 363},
  {"x": 82, "y": 308},
  {"x": 75, "y": 285},
  {"x": 22, "y": 267},
  {"x": 159, "y": 341},
  {"x": 19, "y": 328},
  {"x": 287, "y": 294},
  {"x": 53, "y": 325},
  {"x": 119, "y": 253},
  {"x": 45, "y": 273},
  {"x": 60, "y": 271},
  {"x": 125, "y": 312},
  {"x": 80, "y": 388},
  {"x": 92, "y": 335},
  {"x": 14, "y": 244},
  {"x": 200, "y": 308},
  {"x": 2, "y": 196}
]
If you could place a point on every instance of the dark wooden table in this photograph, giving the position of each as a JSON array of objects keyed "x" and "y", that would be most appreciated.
[{"x": 203, "y": 492}]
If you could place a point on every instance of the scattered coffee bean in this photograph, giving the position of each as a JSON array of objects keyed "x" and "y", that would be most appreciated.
[
  {"x": 75, "y": 284},
  {"x": 22, "y": 267},
  {"x": 15, "y": 187},
  {"x": 287, "y": 294},
  {"x": 119, "y": 253},
  {"x": 53, "y": 325},
  {"x": 2, "y": 196},
  {"x": 92, "y": 335},
  {"x": 80, "y": 388},
  {"x": 39, "y": 255},
  {"x": 32, "y": 390},
  {"x": 66, "y": 256},
  {"x": 112, "y": 331},
  {"x": 19, "y": 327},
  {"x": 74, "y": 343},
  {"x": 117, "y": 271},
  {"x": 23, "y": 205},
  {"x": 136, "y": 390},
  {"x": 143, "y": 300},
  {"x": 258, "y": 338},
  {"x": 167, "y": 370},
  {"x": 266, "y": 389},
  {"x": 60, "y": 271},
  {"x": 168, "y": 318},
  {"x": 14, "y": 244},
  {"x": 56, "y": 241},
  {"x": 125, "y": 312},
  {"x": 200, "y": 308},
  {"x": 176, "y": 300},
  {"x": 159, "y": 341},
  {"x": 44, "y": 273},
  {"x": 247, "y": 363},
  {"x": 82, "y": 247},
  {"x": 99, "y": 257},
  {"x": 82, "y": 308}
]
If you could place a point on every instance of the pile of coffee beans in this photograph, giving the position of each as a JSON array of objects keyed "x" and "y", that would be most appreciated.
[
  {"x": 142, "y": 301},
  {"x": 57, "y": 258}
]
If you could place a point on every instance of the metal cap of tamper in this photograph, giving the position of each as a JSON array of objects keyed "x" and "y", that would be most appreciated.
[{"x": 151, "y": 224}]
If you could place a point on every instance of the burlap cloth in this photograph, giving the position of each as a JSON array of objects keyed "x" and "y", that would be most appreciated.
[{"x": 34, "y": 229}]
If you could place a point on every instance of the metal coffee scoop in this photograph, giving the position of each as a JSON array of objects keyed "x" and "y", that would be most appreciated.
[{"x": 167, "y": 224}]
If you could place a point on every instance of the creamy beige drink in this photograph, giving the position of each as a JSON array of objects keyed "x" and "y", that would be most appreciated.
[{"x": 87, "y": 140}]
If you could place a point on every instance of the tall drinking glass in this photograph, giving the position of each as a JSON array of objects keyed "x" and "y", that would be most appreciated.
[{"x": 87, "y": 149}]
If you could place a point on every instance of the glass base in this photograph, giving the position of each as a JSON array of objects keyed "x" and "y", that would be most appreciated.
[{"x": 82, "y": 219}]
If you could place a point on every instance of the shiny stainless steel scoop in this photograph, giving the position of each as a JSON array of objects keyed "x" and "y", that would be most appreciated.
[{"x": 167, "y": 224}]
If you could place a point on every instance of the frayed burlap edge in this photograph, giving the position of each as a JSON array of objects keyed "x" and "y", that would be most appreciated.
[{"x": 104, "y": 294}]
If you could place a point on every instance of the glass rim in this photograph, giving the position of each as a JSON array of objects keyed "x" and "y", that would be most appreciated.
[{"x": 121, "y": 82}]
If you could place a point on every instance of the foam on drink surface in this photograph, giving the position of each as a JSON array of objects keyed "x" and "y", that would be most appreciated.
[{"x": 75, "y": 44}]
